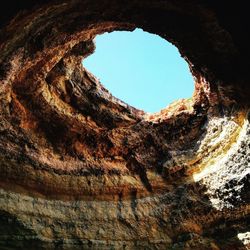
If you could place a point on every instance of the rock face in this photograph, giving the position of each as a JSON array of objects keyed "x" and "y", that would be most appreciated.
[{"x": 80, "y": 169}]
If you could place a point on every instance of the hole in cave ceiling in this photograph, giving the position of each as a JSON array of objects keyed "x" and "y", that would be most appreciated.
[{"x": 141, "y": 69}]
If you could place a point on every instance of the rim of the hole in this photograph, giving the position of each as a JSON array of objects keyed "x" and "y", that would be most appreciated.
[{"x": 188, "y": 100}]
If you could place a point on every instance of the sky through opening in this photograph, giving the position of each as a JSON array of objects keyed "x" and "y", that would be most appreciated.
[{"x": 141, "y": 69}]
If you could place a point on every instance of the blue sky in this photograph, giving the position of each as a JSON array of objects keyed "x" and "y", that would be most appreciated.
[{"x": 141, "y": 69}]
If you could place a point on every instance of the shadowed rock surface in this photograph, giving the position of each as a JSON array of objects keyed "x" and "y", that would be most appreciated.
[{"x": 80, "y": 169}]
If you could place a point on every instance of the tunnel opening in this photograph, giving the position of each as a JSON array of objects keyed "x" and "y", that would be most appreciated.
[{"x": 141, "y": 69}]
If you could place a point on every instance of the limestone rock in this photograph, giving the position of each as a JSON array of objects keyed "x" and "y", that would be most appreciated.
[{"x": 80, "y": 169}]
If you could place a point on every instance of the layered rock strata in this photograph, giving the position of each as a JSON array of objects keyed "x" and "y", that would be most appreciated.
[{"x": 80, "y": 169}]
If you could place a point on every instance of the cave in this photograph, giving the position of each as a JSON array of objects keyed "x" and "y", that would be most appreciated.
[{"x": 82, "y": 170}]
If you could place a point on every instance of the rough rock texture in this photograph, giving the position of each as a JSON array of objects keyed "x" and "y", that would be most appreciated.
[{"x": 80, "y": 169}]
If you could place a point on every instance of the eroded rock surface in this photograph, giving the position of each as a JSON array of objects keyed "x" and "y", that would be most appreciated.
[{"x": 80, "y": 169}]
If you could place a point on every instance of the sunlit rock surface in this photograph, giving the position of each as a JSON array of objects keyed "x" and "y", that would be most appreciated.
[{"x": 80, "y": 169}]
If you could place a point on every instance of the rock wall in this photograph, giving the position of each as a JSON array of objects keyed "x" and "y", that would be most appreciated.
[{"x": 80, "y": 169}]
